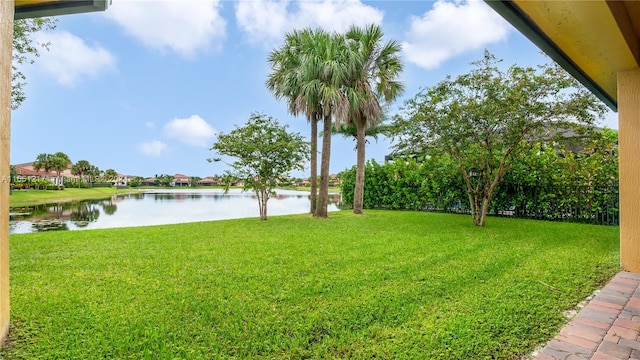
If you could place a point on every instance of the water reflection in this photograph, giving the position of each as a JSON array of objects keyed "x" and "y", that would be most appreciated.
[{"x": 156, "y": 207}]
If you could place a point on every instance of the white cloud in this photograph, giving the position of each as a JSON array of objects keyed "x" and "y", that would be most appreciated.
[
  {"x": 449, "y": 29},
  {"x": 266, "y": 21},
  {"x": 192, "y": 131},
  {"x": 150, "y": 124},
  {"x": 70, "y": 59},
  {"x": 153, "y": 148},
  {"x": 337, "y": 15},
  {"x": 184, "y": 27}
]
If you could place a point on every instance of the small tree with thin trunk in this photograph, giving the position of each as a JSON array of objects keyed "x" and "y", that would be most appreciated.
[{"x": 264, "y": 151}]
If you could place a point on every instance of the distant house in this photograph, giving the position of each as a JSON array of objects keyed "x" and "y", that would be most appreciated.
[
  {"x": 24, "y": 174},
  {"x": 208, "y": 181},
  {"x": 149, "y": 182},
  {"x": 123, "y": 180},
  {"x": 26, "y": 171},
  {"x": 181, "y": 180}
]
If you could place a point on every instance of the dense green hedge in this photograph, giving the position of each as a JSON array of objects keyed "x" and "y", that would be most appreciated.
[
  {"x": 542, "y": 184},
  {"x": 406, "y": 185}
]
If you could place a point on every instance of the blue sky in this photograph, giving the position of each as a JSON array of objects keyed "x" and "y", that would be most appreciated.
[{"x": 144, "y": 87}]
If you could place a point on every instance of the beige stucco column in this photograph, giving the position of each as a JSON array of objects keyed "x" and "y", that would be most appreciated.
[
  {"x": 6, "y": 46},
  {"x": 629, "y": 146}
]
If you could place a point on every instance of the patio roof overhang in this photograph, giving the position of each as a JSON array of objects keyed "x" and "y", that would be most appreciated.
[
  {"x": 592, "y": 40},
  {"x": 41, "y": 8}
]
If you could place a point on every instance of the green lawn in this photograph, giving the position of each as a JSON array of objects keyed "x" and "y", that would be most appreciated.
[
  {"x": 19, "y": 198},
  {"x": 402, "y": 285}
]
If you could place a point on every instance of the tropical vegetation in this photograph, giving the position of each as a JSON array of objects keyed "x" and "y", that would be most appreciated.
[
  {"x": 374, "y": 75},
  {"x": 81, "y": 169},
  {"x": 309, "y": 70},
  {"x": 337, "y": 79},
  {"x": 285, "y": 82},
  {"x": 485, "y": 118},
  {"x": 548, "y": 181}
]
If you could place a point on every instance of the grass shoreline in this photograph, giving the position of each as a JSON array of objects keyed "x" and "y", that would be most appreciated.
[
  {"x": 22, "y": 198},
  {"x": 383, "y": 285}
]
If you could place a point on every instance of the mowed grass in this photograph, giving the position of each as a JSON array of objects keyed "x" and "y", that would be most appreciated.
[
  {"x": 402, "y": 285},
  {"x": 20, "y": 198}
]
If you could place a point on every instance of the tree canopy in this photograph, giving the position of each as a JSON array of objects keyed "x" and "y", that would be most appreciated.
[
  {"x": 264, "y": 152},
  {"x": 25, "y": 51},
  {"x": 482, "y": 119}
]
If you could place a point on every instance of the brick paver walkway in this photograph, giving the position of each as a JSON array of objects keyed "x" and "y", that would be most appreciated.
[{"x": 606, "y": 329}]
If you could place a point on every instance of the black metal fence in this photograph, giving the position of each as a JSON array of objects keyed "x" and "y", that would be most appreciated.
[
  {"x": 582, "y": 204},
  {"x": 593, "y": 205}
]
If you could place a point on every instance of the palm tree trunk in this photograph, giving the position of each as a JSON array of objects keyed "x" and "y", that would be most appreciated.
[
  {"x": 358, "y": 193},
  {"x": 314, "y": 164},
  {"x": 323, "y": 196}
]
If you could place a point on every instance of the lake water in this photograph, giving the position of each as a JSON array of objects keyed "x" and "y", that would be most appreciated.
[{"x": 157, "y": 207}]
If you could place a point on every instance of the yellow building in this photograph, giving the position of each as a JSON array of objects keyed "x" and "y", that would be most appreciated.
[
  {"x": 598, "y": 42},
  {"x": 10, "y": 10}
]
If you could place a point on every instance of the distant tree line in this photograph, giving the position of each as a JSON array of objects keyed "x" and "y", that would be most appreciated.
[{"x": 58, "y": 162}]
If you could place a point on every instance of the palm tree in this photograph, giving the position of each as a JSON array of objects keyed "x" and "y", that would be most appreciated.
[
  {"x": 324, "y": 72},
  {"x": 349, "y": 130},
  {"x": 59, "y": 163},
  {"x": 285, "y": 82},
  {"x": 193, "y": 181},
  {"x": 81, "y": 168},
  {"x": 374, "y": 76},
  {"x": 308, "y": 71},
  {"x": 93, "y": 173},
  {"x": 13, "y": 172},
  {"x": 110, "y": 175},
  {"x": 43, "y": 161}
]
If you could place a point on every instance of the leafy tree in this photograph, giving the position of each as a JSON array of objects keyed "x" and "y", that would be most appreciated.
[
  {"x": 264, "y": 151},
  {"x": 373, "y": 75},
  {"x": 59, "y": 163},
  {"x": 164, "y": 180},
  {"x": 80, "y": 169},
  {"x": 485, "y": 117},
  {"x": 601, "y": 158},
  {"x": 136, "y": 181},
  {"x": 25, "y": 51}
]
